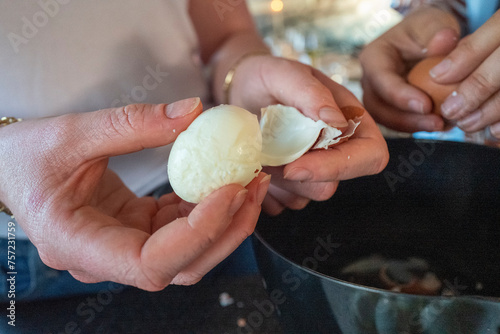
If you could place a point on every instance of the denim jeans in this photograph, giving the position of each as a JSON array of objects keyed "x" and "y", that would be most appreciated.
[{"x": 33, "y": 280}]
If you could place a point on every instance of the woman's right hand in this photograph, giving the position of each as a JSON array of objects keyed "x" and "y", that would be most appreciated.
[{"x": 386, "y": 61}]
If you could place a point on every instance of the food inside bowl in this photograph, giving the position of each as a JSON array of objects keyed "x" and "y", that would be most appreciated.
[{"x": 411, "y": 275}]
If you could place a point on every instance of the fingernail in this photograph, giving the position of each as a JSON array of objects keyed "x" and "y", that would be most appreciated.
[
  {"x": 416, "y": 106},
  {"x": 237, "y": 201},
  {"x": 298, "y": 174},
  {"x": 332, "y": 117},
  {"x": 428, "y": 125},
  {"x": 182, "y": 108},
  {"x": 263, "y": 187},
  {"x": 469, "y": 121},
  {"x": 440, "y": 68},
  {"x": 452, "y": 105},
  {"x": 495, "y": 130}
]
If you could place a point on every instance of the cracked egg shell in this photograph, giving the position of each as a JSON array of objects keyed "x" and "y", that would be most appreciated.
[
  {"x": 220, "y": 147},
  {"x": 287, "y": 134}
]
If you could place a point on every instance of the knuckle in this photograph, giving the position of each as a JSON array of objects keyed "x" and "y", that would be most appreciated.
[
  {"x": 482, "y": 83},
  {"x": 246, "y": 231},
  {"x": 314, "y": 91},
  {"x": 148, "y": 283},
  {"x": 71, "y": 143},
  {"x": 389, "y": 90},
  {"x": 61, "y": 132},
  {"x": 466, "y": 46},
  {"x": 125, "y": 120},
  {"x": 324, "y": 191},
  {"x": 204, "y": 236},
  {"x": 152, "y": 286},
  {"x": 382, "y": 159},
  {"x": 280, "y": 65}
]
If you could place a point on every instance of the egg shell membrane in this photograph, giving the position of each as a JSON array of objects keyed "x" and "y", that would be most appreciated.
[
  {"x": 287, "y": 134},
  {"x": 325, "y": 137},
  {"x": 353, "y": 115}
]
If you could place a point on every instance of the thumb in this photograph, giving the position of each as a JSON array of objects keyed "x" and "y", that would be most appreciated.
[
  {"x": 304, "y": 91},
  {"x": 427, "y": 29},
  {"x": 443, "y": 42},
  {"x": 135, "y": 127}
]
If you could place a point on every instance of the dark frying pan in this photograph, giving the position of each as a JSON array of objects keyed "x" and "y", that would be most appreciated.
[{"x": 437, "y": 202}]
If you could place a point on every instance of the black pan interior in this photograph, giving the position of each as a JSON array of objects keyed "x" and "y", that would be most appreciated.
[{"x": 439, "y": 201}]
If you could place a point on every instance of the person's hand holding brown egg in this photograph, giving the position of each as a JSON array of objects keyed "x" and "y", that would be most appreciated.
[
  {"x": 475, "y": 103},
  {"x": 462, "y": 88}
]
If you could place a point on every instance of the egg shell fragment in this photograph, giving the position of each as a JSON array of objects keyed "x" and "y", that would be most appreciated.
[
  {"x": 221, "y": 146},
  {"x": 329, "y": 138},
  {"x": 287, "y": 134}
]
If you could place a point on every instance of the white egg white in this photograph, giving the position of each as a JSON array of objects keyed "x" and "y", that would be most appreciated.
[{"x": 221, "y": 146}]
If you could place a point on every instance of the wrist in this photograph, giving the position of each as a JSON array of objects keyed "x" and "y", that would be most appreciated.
[
  {"x": 4, "y": 121},
  {"x": 228, "y": 59},
  {"x": 229, "y": 78}
]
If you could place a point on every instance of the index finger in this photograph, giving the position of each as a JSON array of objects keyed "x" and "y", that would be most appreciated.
[{"x": 470, "y": 52}]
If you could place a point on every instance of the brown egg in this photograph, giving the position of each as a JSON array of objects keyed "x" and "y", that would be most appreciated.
[{"x": 419, "y": 77}]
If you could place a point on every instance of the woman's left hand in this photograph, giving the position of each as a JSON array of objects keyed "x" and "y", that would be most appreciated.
[
  {"x": 476, "y": 103},
  {"x": 265, "y": 80}
]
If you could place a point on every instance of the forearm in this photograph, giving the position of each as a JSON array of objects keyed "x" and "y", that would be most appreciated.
[{"x": 226, "y": 34}]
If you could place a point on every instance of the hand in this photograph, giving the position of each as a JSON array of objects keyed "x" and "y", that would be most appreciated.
[
  {"x": 387, "y": 60},
  {"x": 265, "y": 80},
  {"x": 82, "y": 218},
  {"x": 475, "y": 61}
]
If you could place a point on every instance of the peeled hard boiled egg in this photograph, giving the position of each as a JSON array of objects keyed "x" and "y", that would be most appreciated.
[
  {"x": 419, "y": 77},
  {"x": 226, "y": 144},
  {"x": 220, "y": 147}
]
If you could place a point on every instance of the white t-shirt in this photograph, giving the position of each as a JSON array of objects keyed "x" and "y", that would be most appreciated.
[{"x": 64, "y": 56}]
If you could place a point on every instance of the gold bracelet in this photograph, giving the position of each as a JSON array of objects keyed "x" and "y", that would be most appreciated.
[
  {"x": 4, "y": 121},
  {"x": 5, "y": 209},
  {"x": 228, "y": 80}
]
